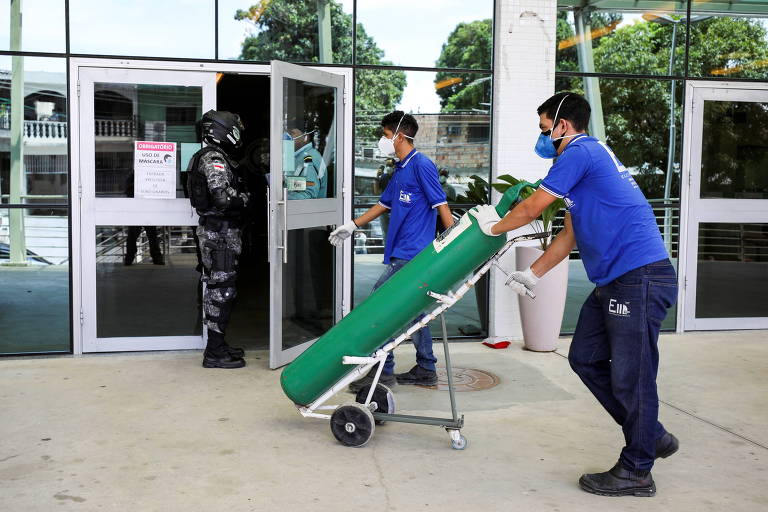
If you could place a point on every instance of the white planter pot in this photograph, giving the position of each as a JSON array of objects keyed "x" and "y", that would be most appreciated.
[{"x": 542, "y": 317}]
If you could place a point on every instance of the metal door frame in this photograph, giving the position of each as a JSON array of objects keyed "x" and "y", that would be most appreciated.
[
  {"x": 75, "y": 65},
  {"x": 288, "y": 215},
  {"x": 694, "y": 210}
]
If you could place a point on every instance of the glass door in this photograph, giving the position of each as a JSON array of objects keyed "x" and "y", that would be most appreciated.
[
  {"x": 305, "y": 202},
  {"x": 138, "y": 253},
  {"x": 726, "y": 275}
]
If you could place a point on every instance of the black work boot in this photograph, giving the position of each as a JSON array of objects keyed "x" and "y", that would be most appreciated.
[
  {"x": 387, "y": 379},
  {"x": 234, "y": 351},
  {"x": 221, "y": 360},
  {"x": 619, "y": 481},
  {"x": 666, "y": 445},
  {"x": 417, "y": 376}
]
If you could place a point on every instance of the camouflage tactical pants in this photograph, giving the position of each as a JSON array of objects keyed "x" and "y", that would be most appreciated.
[{"x": 220, "y": 245}]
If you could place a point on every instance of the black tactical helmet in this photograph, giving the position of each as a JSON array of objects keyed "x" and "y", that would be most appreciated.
[{"x": 223, "y": 129}]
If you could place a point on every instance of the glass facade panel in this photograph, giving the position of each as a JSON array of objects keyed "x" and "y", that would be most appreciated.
[
  {"x": 733, "y": 263},
  {"x": 729, "y": 40},
  {"x": 734, "y": 150},
  {"x": 182, "y": 28},
  {"x": 33, "y": 110},
  {"x": 43, "y": 28},
  {"x": 34, "y": 272},
  {"x": 126, "y": 113},
  {"x": 309, "y": 140},
  {"x": 445, "y": 34},
  {"x": 308, "y": 277},
  {"x": 592, "y": 39},
  {"x": 146, "y": 281},
  {"x": 453, "y": 114},
  {"x": 308, "y": 31}
]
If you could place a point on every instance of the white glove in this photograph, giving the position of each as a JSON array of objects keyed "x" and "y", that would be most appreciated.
[
  {"x": 486, "y": 217},
  {"x": 341, "y": 233},
  {"x": 523, "y": 282}
]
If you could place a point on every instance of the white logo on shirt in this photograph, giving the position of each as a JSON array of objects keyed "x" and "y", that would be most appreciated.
[
  {"x": 568, "y": 202},
  {"x": 405, "y": 197},
  {"x": 617, "y": 309}
]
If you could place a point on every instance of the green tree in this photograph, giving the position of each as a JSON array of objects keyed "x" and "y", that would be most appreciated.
[
  {"x": 469, "y": 46},
  {"x": 287, "y": 30}
]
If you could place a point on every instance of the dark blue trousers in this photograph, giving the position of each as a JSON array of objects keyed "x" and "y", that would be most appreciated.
[{"x": 615, "y": 353}]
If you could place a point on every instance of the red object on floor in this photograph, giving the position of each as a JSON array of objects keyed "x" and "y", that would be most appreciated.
[{"x": 498, "y": 344}]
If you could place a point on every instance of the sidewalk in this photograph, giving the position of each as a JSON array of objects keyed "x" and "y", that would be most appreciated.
[{"x": 156, "y": 432}]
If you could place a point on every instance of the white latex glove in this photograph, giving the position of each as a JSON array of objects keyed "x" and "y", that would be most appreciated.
[
  {"x": 523, "y": 282},
  {"x": 486, "y": 217},
  {"x": 341, "y": 233}
]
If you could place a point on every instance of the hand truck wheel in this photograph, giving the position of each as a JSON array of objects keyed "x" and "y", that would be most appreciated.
[
  {"x": 382, "y": 396},
  {"x": 352, "y": 425}
]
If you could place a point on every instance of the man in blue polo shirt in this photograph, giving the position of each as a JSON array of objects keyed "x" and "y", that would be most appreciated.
[
  {"x": 414, "y": 198},
  {"x": 614, "y": 349}
]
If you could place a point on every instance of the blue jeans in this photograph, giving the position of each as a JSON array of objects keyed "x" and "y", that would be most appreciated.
[
  {"x": 422, "y": 339},
  {"x": 615, "y": 353}
]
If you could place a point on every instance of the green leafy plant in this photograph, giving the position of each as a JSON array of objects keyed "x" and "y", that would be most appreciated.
[{"x": 478, "y": 193}]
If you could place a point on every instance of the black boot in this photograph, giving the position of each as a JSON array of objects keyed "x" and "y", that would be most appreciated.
[
  {"x": 235, "y": 351},
  {"x": 619, "y": 481},
  {"x": 418, "y": 376},
  {"x": 221, "y": 360}
]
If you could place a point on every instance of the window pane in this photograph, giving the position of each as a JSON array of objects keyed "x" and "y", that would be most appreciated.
[
  {"x": 183, "y": 28},
  {"x": 306, "y": 31},
  {"x": 35, "y": 172},
  {"x": 146, "y": 281},
  {"x": 127, "y": 113},
  {"x": 733, "y": 263},
  {"x": 733, "y": 159},
  {"x": 34, "y": 270},
  {"x": 729, "y": 45},
  {"x": 309, "y": 140},
  {"x": 452, "y": 111},
  {"x": 42, "y": 29},
  {"x": 617, "y": 40},
  {"x": 406, "y": 33}
]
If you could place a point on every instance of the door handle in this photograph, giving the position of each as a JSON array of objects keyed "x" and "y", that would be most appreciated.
[
  {"x": 284, "y": 204},
  {"x": 269, "y": 230}
]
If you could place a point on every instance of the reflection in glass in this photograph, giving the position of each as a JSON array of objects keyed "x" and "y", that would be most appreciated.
[
  {"x": 733, "y": 263},
  {"x": 182, "y": 28},
  {"x": 734, "y": 150},
  {"x": 727, "y": 42},
  {"x": 309, "y": 140},
  {"x": 460, "y": 35},
  {"x": 125, "y": 113},
  {"x": 308, "y": 31},
  {"x": 42, "y": 28},
  {"x": 650, "y": 41},
  {"x": 308, "y": 286},
  {"x": 34, "y": 272},
  {"x": 33, "y": 109},
  {"x": 146, "y": 282}
]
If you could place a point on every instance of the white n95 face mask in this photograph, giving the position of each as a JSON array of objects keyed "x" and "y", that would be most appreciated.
[{"x": 387, "y": 146}]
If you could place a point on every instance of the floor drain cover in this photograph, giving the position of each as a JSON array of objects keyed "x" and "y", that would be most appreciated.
[{"x": 466, "y": 379}]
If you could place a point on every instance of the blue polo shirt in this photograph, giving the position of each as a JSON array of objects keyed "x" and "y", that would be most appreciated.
[
  {"x": 614, "y": 225},
  {"x": 412, "y": 194}
]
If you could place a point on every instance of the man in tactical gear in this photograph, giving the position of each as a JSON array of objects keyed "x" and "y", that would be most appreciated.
[{"x": 217, "y": 193}]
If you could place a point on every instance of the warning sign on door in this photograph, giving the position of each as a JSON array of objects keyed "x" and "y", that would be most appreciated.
[{"x": 154, "y": 170}]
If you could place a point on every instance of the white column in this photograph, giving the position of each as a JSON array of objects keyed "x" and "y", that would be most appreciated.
[{"x": 524, "y": 77}]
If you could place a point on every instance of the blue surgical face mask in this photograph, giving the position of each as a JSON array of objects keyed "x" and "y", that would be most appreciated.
[{"x": 545, "y": 145}]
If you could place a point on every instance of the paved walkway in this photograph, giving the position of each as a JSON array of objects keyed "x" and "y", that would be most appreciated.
[{"x": 156, "y": 432}]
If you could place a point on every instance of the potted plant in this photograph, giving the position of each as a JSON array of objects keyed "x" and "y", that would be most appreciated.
[{"x": 541, "y": 318}]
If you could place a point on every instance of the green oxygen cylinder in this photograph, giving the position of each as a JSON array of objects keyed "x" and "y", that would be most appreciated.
[{"x": 392, "y": 307}]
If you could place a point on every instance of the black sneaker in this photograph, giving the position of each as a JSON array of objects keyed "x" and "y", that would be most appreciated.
[
  {"x": 417, "y": 376},
  {"x": 619, "y": 481},
  {"x": 224, "y": 360},
  {"x": 666, "y": 445},
  {"x": 387, "y": 379}
]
